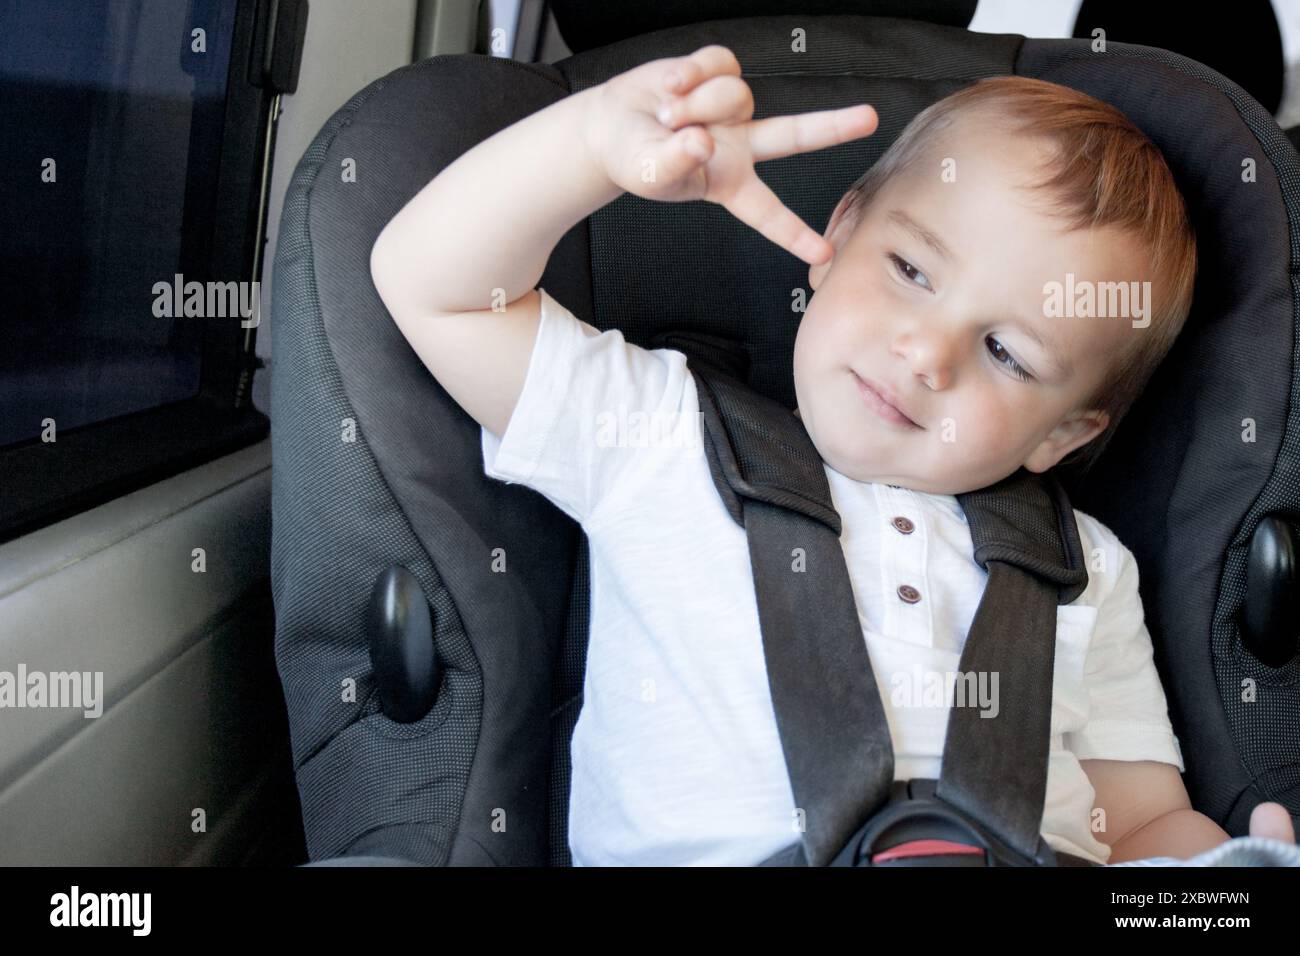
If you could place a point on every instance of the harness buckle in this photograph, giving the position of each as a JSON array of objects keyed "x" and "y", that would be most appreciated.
[{"x": 917, "y": 828}]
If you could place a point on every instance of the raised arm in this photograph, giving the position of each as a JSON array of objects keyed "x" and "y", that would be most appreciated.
[{"x": 457, "y": 267}]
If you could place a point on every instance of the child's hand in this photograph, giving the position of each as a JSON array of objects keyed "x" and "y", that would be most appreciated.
[
  {"x": 1273, "y": 821},
  {"x": 705, "y": 144}
]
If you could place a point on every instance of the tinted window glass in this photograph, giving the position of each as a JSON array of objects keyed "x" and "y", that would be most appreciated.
[{"x": 113, "y": 113}]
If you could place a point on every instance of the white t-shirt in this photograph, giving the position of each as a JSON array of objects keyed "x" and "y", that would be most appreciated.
[{"x": 676, "y": 757}]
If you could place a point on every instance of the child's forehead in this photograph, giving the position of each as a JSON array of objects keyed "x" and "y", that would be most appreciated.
[{"x": 981, "y": 161}]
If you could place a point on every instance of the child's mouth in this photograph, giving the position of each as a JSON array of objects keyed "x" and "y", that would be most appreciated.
[{"x": 880, "y": 406}]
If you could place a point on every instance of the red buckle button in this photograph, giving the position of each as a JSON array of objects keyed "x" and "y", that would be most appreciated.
[{"x": 925, "y": 848}]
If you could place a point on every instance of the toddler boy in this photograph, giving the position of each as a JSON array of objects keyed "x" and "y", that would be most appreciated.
[{"x": 949, "y": 342}]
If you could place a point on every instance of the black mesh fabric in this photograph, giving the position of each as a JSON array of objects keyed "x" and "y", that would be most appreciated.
[{"x": 375, "y": 465}]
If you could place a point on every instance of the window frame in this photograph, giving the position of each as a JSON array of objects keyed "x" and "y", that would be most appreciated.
[{"x": 45, "y": 482}]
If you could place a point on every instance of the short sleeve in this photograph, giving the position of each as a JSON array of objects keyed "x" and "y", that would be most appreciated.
[
  {"x": 565, "y": 438},
  {"x": 1128, "y": 715}
]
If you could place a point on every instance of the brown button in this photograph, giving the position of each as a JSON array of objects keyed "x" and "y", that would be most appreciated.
[
  {"x": 903, "y": 524},
  {"x": 908, "y": 593}
]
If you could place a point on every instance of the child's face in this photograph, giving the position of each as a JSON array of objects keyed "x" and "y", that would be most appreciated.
[{"x": 939, "y": 334}]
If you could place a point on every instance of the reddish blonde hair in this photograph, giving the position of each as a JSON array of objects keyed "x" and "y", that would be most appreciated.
[{"x": 1103, "y": 171}]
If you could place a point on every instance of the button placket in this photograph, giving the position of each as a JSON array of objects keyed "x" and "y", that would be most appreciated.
[{"x": 905, "y": 567}]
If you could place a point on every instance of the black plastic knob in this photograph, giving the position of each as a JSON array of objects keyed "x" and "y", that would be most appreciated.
[
  {"x": 1270, "y": 624},
  {"x": 402, "y": 651}
]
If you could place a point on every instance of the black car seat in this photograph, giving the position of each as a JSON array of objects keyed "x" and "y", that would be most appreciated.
[{"x": 431, "y": 699}]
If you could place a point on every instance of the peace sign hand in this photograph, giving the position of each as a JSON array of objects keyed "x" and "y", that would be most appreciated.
[{"x": 681, "y": 128}]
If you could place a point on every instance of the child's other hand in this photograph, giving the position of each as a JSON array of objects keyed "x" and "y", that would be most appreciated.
[
  {"x": 1273, "y": 821},
  {"x": 705, "y": 144}
]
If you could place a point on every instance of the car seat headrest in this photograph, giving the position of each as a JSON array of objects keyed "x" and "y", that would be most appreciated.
[{"x": 587, "y": 24}]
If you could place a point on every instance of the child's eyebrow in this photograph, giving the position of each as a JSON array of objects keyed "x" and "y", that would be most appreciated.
[
  {"x": 1059, "y": 362},
  {"x": 901, "y": 218}
]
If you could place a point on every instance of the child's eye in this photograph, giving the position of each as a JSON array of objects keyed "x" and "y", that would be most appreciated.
[
  {"x": 902, "y": 265},
  {"x": 1010, "y": 363}
]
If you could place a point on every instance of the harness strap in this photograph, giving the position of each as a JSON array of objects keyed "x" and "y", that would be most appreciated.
[
  {"x": 829, "y": 715},
  {"x": 831, "y": 720},
  {"x": 995, "y": 768}
]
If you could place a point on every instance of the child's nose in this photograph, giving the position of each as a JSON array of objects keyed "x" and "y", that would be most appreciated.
[{"x": 930, "y": 355}]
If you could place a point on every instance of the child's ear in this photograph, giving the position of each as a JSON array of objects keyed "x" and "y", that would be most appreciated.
[
  {"x": 837, "y": 233},
  {"x": 1077, "y": 429}
]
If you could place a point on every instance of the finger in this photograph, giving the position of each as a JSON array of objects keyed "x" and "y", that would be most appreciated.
[
  {"x": 716, "y": 100},
  {"x": 683, "y": 153},
  {"x": 755, "y": 204},
  {"x": 780, "y": 136},
  {"x": 689, "y": 71},
  {"x": 1273, "y": 821}
]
